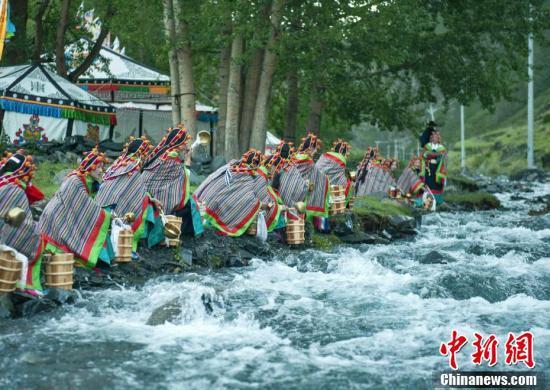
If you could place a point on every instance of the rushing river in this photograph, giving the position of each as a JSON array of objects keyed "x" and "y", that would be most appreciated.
[{"x": 372, "y": 317}]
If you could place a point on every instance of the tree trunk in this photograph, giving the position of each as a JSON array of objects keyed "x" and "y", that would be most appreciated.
[
  {"x": 62, "y": 25},
  {"x": 170, "y": 31},
  {"x": 89, "y": 60},
  {"x": 316, "y": 104},
  {"x": 257, "y": 140},
  {"x": 291, "y": 105},
  {"x": 223, "y": 72},
  {"x": 251, "y": 83},
  {"x": 39, "y": 30},
  {"x": 185, "y": 64},
  {"x": 233, "y": 100},
  {"x": 17, "y": 51}
]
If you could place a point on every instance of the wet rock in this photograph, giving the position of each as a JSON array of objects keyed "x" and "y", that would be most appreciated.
[
  {"x": 7, "y": 310},
  {"x": 435, "y": 257},
  {"x": 61, "y": 296},
  {"x": 165, "y": 313},
  {"x": 359, "y": 238},
  {"x": 111, "y": 145},
  {"x": 342, "y": 224},
  {"x": 403, "y": 224},
  {"x": 35, "y": 306},
  {"x": 530, "y": 175}
]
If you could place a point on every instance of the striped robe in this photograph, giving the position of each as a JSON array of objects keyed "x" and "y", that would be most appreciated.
[
  {"x": 333, "y": 165},
  {"x": 293, "y": 187},
  {"x": 378, "y": 180},
  {"x": 206, "y": 182},
  {"x": 230, "y": 201},
  {"x": 74, "y": 222},
  {"x": 317, "y": 201},
  {"x": 25, "y": 238},
  {"x": 409, "y": 182},
  {"x": 267, "y": 195},
  {"x": 168, "y": 181},
  {"x": 124, "y": 187}
]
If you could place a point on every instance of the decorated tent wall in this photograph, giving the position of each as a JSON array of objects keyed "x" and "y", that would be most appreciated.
[
  {"x": 123, "y": 80},
  {"x": 38, "y": 106}
]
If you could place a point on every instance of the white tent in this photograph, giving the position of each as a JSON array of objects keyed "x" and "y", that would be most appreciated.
[
  {"x": 38, "y": 105},
  {"x": 271, "y": 142}
]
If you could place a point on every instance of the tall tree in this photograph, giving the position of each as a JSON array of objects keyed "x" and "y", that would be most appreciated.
[
  {"x": 185, "y": 64},
  {"x": 17, "y": 50},
  {"x": 234, "y": 99},
  {"x": 170, "y": 31},
  {"x": 259, "y": 126}
]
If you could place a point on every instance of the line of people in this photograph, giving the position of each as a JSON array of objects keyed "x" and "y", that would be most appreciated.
[{"x": 144, "y": 184}]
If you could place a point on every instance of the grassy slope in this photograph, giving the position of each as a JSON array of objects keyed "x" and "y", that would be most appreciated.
[{"x": 44, "y": 176}]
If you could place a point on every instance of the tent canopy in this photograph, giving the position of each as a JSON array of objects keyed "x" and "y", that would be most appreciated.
[{"x": 33, "y": 89}]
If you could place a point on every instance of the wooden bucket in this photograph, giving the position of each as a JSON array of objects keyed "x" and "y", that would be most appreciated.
[
  {"x": 10, "y": 271},
  {"x": 59, "y": 271},
  {"x": 125, "y": 241},
  {"x": 173, "y": 242},
  {"x": 338, "y": 205},
  {"x": 295, "y": 231},
  {"x": 253, "y": 227}
]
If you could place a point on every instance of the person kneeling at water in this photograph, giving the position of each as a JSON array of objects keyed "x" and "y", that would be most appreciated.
[
  {"x": 434, "y": 162},
  {"x": 73, "y": 222},
  {"x": 410, "y": 184},
  {"x": 17, "y": 191},
  {"x": 333, "y": 164},
  {"x": 229, "y": 196},
  {"x": 167, "y": 180},
  {"x": 123, "y": 190}
]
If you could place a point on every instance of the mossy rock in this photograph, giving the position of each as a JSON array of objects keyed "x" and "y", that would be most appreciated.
[
  {"x": 471, "y": 201},
  {"x": 324, "y": 242},
  {"x": 464, "y": 184}
]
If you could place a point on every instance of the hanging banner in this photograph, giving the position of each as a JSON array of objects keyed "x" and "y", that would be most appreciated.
[
  {"x": 91, "y": 131},
  {"x": 25, "y": 129}
]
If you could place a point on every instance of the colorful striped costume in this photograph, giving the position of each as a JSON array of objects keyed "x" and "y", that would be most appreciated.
[
  {"x": 123, "y": 186},
  {"x": 167, "y": 180},
  {"x": 409, "y": 182},
  {"x": 318, "y": 198},
  {"x": 333, "y": 165},
  {"x": 230, "y": 200},
  {"x": 25, "y": 238},
  {"x": 434, "y": 169},
  {"x": 268, "y": 196},
  {"x": 73, "y": 222},
  {"x": 377, "y": 180},
  {"x": 292, "y": 186}
]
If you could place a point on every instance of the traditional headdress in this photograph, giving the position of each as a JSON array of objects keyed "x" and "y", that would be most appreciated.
[
  {"x": 176, "y": 139},
  {"x": 249, "y": 162},
  {"x": 309, "y": 143},
  {"x": 90, "y": 163},
  {"x": 431, "y": 127},
  {"x": 16, "y": 167},
  {"x": 135, "y": 151},
  {"x": 285, "y": 149},
  {"x": 414, "y": 162},
  {"x": 275, "y": 163},
  {"x": 341, "y": 146}
]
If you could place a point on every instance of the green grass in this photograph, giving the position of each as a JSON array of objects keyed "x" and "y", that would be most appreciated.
[
  {"x": 45, "y": 174},
  {"x": 473, "y": 200},
  {"x": 369, "y": 205}
]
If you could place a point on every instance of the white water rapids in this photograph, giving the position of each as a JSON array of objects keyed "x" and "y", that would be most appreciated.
[{"x": 371, "y": 317}]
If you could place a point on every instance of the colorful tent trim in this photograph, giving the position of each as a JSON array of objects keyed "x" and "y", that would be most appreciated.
[{"x": 57, "y": 97}]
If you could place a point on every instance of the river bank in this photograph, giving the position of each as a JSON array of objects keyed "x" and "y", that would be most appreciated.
[{"x": 373, "y": 221}]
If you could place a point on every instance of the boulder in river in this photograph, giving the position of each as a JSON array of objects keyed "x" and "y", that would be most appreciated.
[{"x": 435, "y": 257}]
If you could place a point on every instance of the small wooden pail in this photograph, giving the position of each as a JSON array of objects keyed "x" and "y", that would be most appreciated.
[
  {"x": 173, "y": 242},
  {"x": 338, "y": 205},
  {"x": 253, "y": 227},
  {"x": 59, "y": 271},
  {"x": 125, "y": 240},
  {"x": 295, "y": 230},
  {"x": 10, "y": 271}
]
